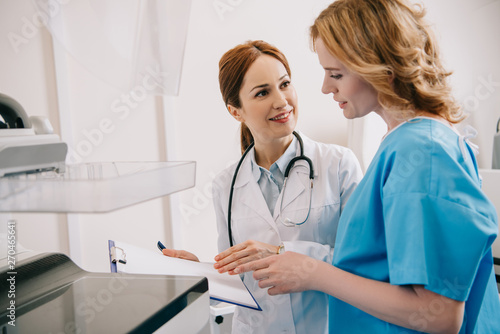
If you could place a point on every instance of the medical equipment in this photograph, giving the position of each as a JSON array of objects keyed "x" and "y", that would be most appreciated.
[
  {"x": 34, "y": 176},
  {"x": 496, "y": 148},
  {"x": 286, "y": 221},
  {"x": 51, "y": 286},
  {"x": 27, "y": 144}
]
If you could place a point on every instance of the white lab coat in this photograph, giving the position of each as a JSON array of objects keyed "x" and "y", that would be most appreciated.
[{"x": 336, "y": 172}]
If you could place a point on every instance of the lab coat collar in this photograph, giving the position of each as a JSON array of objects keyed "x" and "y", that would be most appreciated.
[
  {"x": 309, "y": 151},
  {"x": 245, "y": 172},
  {"x": 249, "y": 167},
  {"x": 292, "y": 150},
  {"x": 251, "y": 194},
  {"x": 294, "y": 186}
]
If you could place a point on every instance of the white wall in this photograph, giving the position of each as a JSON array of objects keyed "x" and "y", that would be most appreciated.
[
  {"x": 28, "y": 76},
  {"x": 468, "y": 32},
  {"x": 203, "y": 130},
  {"x": 80, "y": 100}
]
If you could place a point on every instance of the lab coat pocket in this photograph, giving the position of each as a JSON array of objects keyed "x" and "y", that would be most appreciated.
[{"x": 308, "y": 231}]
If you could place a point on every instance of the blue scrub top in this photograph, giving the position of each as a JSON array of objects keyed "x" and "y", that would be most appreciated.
[{"x": 420, "y": 217}]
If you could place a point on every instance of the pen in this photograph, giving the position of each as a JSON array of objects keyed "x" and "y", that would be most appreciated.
[{"x": 161, "y": 247}]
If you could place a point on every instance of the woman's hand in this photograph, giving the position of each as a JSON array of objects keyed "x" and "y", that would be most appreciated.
[
  {"x": 284, "y": 273},
  {"x": 241, "y": 253},
  {"x": 181, "y": 254},
  {"x": 410, "y": 306}
]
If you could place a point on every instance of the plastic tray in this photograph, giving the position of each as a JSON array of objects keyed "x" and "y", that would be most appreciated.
[{"x": 94, "y": 187}]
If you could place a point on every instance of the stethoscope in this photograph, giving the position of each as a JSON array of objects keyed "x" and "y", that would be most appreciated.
[{"x": 287, "y": 221}]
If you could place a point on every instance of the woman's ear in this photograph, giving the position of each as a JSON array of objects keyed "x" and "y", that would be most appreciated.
[
  {"x": 391, "y": 77},
  {"x": 235, "y": 112}
]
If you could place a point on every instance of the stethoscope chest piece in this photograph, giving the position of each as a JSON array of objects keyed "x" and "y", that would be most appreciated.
[
  {"x": 284, "y": 220},
  {"x": 287, "y": 221}
]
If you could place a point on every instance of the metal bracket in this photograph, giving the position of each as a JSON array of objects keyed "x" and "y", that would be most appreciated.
[{"x": 115, "y": 258}]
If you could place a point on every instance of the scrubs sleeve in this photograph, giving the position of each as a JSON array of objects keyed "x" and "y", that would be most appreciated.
[
  {"x": 350, "y": 175},
  {"x": 435, "y": 242},
  {"x": 312, "y": 249}
]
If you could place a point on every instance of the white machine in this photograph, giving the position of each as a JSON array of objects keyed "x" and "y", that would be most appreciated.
[
  {"x": 51, "y": 292},
  {"x": 27, "y": 144}
]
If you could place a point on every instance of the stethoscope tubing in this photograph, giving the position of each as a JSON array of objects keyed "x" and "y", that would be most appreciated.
[
  {"x": 287, "y": 171},
  {"x": 230, "y": 202}
]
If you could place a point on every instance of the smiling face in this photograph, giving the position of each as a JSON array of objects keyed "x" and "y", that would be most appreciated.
[
  {"x": 356, "y": 97},
  {"x": 268, "y": 101}
]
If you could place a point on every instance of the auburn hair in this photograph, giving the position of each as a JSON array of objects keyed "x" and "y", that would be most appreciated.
[{"x": 233, "y": 66}]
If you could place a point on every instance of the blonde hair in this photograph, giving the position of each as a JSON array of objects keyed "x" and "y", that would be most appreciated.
[{"x": 389, "y": 44}]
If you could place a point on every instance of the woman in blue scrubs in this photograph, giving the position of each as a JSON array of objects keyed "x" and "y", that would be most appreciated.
[{"x": 413, "y": 248}]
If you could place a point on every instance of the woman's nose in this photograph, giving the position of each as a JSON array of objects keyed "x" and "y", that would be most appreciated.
[
  {"x": 328, "y": 87},
  {"x": 280, "y": 100}
]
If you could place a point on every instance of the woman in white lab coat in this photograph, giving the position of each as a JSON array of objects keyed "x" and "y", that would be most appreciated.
[
  {"x": 254, "y": 78},
  {"x": 255, "y": 84}
]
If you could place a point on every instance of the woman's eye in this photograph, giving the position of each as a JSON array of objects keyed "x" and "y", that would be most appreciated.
[
  {"x": 261, "y": 93},
  {"x": 285, "y": 84},
  {"x": 336, "y": 76}
]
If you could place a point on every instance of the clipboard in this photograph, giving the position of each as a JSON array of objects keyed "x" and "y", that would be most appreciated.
[{"x": 127, "y": 258}]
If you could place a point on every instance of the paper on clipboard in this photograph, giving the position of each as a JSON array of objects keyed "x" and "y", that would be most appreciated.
[{"x": 223, "y": 287}]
